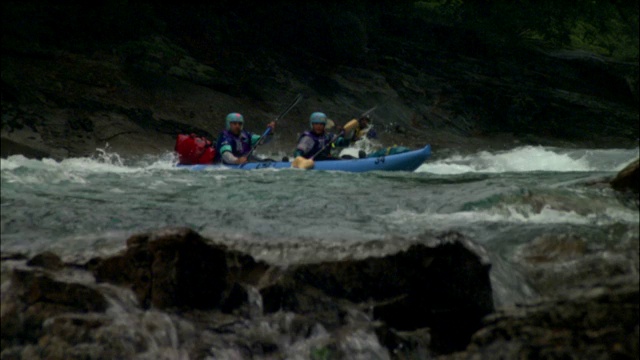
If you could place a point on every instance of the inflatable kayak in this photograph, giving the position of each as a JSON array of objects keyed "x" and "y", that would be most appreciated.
[{"x": 406, "y": 161}]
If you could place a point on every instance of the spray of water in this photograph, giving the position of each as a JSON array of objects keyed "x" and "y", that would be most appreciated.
[
  {"x": 533, "y": 158},
  {"x": 522, "y": 159}
]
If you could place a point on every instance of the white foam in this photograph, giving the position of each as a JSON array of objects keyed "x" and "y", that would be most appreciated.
[
  {"x": 102, "y": 162},
  {"x": 533, "y": 158},
  {"x": 510, "y": 214},
  {"x": 365, "y": 144}
]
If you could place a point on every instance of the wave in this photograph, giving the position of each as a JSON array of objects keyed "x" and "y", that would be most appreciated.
[
  {"x": 103, "y": 161},
  {"x": 510, "y": 214},
  {"x": 533, "y": 158},
  {"x": 522, "y": 159}
]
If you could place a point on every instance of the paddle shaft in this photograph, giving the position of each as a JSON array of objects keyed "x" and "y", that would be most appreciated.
[
  {"x": 266, "y": 132},
  {"x": 329, "y": 144},
  {"x": 368, "y": 112}
]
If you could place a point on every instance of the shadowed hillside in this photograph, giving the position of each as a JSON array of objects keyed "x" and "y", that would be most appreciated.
[{"x": 455, "y": 74}]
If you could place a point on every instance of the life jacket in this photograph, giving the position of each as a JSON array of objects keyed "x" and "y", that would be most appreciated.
[
  {"x": 240, "y": 145},
  {"x": 193, "y": 150},
  {"x": 319, "y": 141}
]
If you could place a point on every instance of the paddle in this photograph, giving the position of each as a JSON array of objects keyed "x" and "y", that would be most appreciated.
[
  {"x": 366, "y": 113},
  {"x": 282, "y": 114},
  {"x": 303, "y": 163}
]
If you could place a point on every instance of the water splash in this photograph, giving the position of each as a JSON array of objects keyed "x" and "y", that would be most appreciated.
[
  {"x": 365, "y": 144},
  {"x": 103, "y": 161},
  {"x": 533, "y": 158}
]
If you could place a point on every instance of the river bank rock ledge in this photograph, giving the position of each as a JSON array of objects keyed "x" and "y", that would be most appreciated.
[{"x": 432, "y": 295}]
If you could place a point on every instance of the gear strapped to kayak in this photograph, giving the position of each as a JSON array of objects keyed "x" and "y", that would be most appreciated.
[{"x": 194, "y": 150}]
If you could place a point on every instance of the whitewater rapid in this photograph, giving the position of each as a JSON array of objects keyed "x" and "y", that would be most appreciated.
[{"x": 80, "y": 208}]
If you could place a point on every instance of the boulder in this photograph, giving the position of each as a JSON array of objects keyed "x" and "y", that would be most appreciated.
[
  {"x": 35, "y": 296},
  {"x": 598, "y": 323},
  {"x": 46, "y": 260},
  {"x": 443, "y": 285},
  {"x": 628, "y": 178},
  {"x": 555, "y": 263},
  {"x": 39, "y": 287},
  {"x": 177, "y": 268}
]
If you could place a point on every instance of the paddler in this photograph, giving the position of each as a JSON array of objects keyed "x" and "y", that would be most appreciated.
[
  {"x": 311, "y": 142},
  {"x": 234, "y": 143},
  {"x": 364, "y": 130}
]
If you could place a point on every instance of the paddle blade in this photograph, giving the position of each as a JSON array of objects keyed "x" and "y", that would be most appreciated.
[
  {"x": 302, "y": 163},
  {"x": 350, "y": 125}
]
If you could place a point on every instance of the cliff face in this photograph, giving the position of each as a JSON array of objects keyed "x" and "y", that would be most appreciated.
[{"x": 75, "y": 79}]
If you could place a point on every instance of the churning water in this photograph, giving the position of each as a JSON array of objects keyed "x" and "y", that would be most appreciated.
[{"x": 85, "y": 207}]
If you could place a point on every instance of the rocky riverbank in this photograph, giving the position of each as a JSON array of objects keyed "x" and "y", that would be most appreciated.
[{"x": 456, "y": 90}]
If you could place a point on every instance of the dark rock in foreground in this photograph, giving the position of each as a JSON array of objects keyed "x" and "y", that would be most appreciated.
[
  {"x": 47, "y": 260},
  {"x": 598, "y": 323},
  {"x": 172, "y": 294},
  {"x": 628, "y": 178},
  {"x": 36, "y": 297},
  {"x": 429, "y": 297},
  {"x": 555, "y": 263},
  {"x": 177, "y": 269},
  {"x": 444, "y": 287},
  {"x": 627, "y": 183}
]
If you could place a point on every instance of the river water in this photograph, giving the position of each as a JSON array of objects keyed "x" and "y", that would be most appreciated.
[{"x": 85, "y": 207}]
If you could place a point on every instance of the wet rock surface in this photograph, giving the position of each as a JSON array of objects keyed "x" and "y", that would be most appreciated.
[
  {"x": 173, "y": 269},
  {"x": 172, "y": 293},
  {"x": 227, "y": 298},
  {"x": 628, "y": 178},
  {"x": 600, "y": 322},
  {"x": 627, "y": 183},
  {"x": 421, "y": 287}
]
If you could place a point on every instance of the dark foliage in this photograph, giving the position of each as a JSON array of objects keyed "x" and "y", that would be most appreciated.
[{"x": 324, "y": 32}]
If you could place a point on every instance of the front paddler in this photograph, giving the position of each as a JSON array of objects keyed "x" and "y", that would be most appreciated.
[{"x": 234, "y": 143}]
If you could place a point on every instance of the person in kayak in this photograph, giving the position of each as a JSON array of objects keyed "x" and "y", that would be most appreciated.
[
  {"x": 234, "y": 143},
  {"x": 311, "y": 142},
  {"x": 364, "y": 129}
]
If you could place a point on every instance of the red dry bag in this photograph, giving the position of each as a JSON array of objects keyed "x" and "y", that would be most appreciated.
[{"x": 193, "y": 150}]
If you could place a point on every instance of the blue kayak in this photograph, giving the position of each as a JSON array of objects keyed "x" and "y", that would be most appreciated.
[{"x": 406, "y": 161}]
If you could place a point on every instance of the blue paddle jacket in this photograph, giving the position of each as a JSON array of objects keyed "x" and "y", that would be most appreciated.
[{"x": 237, "y": 146}]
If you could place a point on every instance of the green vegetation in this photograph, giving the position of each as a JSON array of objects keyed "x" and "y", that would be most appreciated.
[
  {"x": 320, "y": 353},
  {"x": 608, "y": 28},
  {"x": 329, "y": 32}
]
